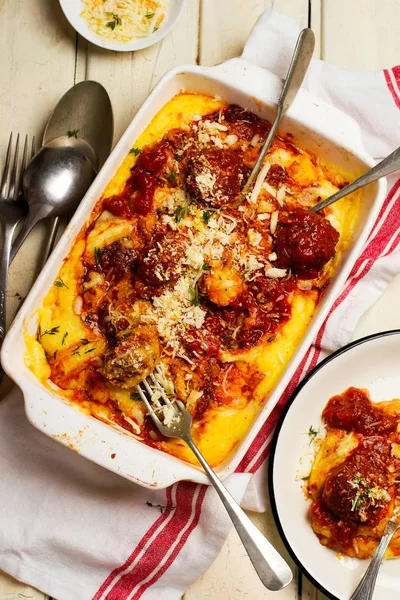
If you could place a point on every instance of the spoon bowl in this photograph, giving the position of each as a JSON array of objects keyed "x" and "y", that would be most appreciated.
[{"x": 55, "y": 181}]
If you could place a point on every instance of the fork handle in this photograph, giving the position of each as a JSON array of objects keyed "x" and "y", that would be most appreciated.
[
  {"x": 4, "y": 265},
  {"x": 365, "y": 588},
  {"x": 273, "y": 571}
]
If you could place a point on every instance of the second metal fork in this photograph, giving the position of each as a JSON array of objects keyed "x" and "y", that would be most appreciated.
[
  {"x": 174, "y": 420},
  {"x": 12, "y": 211}
]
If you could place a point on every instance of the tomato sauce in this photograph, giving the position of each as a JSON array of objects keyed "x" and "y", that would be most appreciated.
[{"x": 360, "y": 491}]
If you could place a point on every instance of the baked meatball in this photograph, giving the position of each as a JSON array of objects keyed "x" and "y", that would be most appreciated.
[
  {"x": 304, "y": 241},
  {"x": 134, "y": 356},
  {"x": 359, "y": 489},
  {"x": 214, "y": 176},
  {"x": 162, "y": 260}
]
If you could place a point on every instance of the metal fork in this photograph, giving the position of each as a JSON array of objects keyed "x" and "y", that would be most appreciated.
[
  {"x": 12, "y": 210},
  {"x": 273, "y": 571}
]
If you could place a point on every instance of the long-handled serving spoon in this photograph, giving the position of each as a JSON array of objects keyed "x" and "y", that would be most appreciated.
[
  {"x": 388, "y": 165},
  {"x": 298, "y": 67}
]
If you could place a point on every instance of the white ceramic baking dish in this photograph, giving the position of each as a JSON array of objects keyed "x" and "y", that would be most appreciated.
[{"x": 319, "y": 127}]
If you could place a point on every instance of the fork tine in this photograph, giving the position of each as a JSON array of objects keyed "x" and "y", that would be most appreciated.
[
  {"x": 160, "y": 389},
  {"x": 149, "y": 407},
  {"x": 13, "y": 176},
  {"x": 18, "y": 187},
  {"x": 4, "y": 178}
]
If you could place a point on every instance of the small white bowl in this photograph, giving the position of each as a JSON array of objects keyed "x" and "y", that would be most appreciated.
[{"x": 72, "y": 10}]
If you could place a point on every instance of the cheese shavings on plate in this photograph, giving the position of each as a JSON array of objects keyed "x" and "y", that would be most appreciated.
[{"x": 124, "y": 20}]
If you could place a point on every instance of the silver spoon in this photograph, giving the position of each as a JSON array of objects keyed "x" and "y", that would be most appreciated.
[
  {"x": 55, "y": 181},
  {"x": 365, "y": 588},
  {"x": 298, "y": 67},
  {"x": 84, "y": 114},
  {"x": 388, "y": 165}
]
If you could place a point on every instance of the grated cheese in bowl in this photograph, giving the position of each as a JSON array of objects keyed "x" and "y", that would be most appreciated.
[{"x": 124, "y": 20}]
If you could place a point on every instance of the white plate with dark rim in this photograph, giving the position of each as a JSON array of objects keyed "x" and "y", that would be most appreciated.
[
  {"x": 372, "y": 362},
  {"x": 72, "y": 10}
]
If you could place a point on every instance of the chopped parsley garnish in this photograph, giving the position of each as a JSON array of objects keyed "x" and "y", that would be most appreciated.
[
  {"x": 73, "y": 133},
  {"x": 196, "y": 295},
  {"x": 135, "y": 151},
  {"x": 90, "y": 350},
  {"x": 312, "y": 434},
  {"x": 271, "y": 339},
  {"x": 84, "y": 341},
  {"x": 76, "y": 351},
  {"x": 206, "y": 216},
  {"x": 160, "y": 507},
  {"x": 177, "y": 157},
  {"x": 135, "y": 396},
  {"x": 180, "y": 213},
  {"x": 59, "y": 283},
  {"x": 305, "y": 478},
  {"x": 97, "y": 256},
  {"x": 64, "y": 338},
  {"x": 118, "y": 410},
  {"x": 172, "y": 176},
  {"x": 51, "y": 331},
  {"x": 55, "y": 355},
  {"x": 149, "y": 15},
  {"x": 206, "y": 267},
  {"x": 116, "y": 20}
]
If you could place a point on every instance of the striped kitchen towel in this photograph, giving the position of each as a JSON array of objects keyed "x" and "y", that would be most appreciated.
[{"x": 79, "y": 532}]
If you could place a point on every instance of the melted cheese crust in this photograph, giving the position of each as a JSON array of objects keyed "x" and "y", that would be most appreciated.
[{"x": 69, "y": 348}]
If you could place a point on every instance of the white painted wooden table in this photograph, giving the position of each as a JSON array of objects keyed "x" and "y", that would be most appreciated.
[{"x": 42, "y": 57}]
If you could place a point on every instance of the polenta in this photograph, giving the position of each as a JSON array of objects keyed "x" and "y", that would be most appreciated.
[{"x": 175, "y": 269}]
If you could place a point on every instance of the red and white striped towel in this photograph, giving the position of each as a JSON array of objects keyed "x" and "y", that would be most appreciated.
[{"x": 78, "y": 532}]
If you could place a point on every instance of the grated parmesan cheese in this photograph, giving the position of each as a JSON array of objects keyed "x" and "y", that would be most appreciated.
[
  {"x": 254, "y": 237},
  {"x": 275, "y": 273},
  {"x": 274, "y": 221},
  {"x": 124, "y": 20}
]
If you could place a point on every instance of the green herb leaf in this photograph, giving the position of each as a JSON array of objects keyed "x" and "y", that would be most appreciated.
[
  {"x": 180, "y": 213},
  {"x": 64, "y": 338},
  {"x": 206, "y": 267},
  {"x": 305, "y": 478},
  {"x": 90, "y": 350},
  {"x": 76, "y": 351},
  {"x": 172, "y": 176},
  {"x": 206, "y": 216},
  {"x": 51, "y": 331},
  {"x": 97, "y": 256},
  {"x": 73, "y": 133},
  {"x": 116, "y": 20},
  {"x": 271, "y": 339},
  {"x": 312, "y": 434},
  {"x": 55, "y": 355},
  {"x": 135, "y": 151},
  {"x": 149, "y": 15},
  {"x": 135, "y": 396},
  {"x": 59, "y": 283},
  {"x": 118, "y": 410},
  {"x": 84, "y": 341},
  {"x": 196, "y": 295}
]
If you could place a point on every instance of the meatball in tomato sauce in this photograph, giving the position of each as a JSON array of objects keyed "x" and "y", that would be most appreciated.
[
  {"x": 214, "y": 176},
  {"x": 304, "y": 242}
]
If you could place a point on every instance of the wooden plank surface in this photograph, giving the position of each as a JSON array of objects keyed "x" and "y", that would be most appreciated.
[{"x": 42, "y": 59}]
